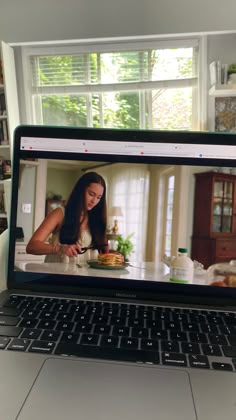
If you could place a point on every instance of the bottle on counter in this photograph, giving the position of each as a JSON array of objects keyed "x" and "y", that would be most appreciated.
[{"x": 181, "y": 269}]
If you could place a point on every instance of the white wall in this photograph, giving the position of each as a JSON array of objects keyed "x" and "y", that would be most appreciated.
[{"x": 33, "y": 20}]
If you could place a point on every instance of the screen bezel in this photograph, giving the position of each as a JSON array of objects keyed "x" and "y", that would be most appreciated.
[{"x": 100, "y": 286}]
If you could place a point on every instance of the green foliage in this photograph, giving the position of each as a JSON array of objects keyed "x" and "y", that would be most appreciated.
[
  {"x": 232, "y": 69},
  {"x": 125, "y": 245},
  {"x": 162, "y": 108}
]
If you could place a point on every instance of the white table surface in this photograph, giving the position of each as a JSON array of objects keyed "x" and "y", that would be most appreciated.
[
  {"x": 134, "y": 271},
  {"x": 140, "y": 271}
]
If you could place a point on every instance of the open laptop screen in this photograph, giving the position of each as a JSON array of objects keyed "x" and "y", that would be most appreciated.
[{"x": 164, "y": 190}]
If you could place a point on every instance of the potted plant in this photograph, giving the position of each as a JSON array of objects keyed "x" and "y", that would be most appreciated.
[
  {"x": 124, "y": 245},
  {"x": 232, "y": 73}
]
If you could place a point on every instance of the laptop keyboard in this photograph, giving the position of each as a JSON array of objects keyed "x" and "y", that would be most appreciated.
[{"x": 116, "y": 331}]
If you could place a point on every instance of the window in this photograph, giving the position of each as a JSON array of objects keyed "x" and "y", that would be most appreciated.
[
  {"x": 131, "y": 85},
  {"x": 170, "y": 183},
  {"x": 128, "y": 188}
]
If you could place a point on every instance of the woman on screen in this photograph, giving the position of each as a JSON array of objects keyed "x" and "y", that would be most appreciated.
[{"x": 65, "y": 232}]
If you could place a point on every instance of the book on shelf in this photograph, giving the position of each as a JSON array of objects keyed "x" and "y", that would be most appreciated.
[
  {"x": 4, "y": 137},
  {"x": 5, "y": 169},
  {"x": 1, "y": 169},
  {"x": 218, "y": 73},
  {"x": 2, "y": 104},
  {"x": 1, "y": 73}
]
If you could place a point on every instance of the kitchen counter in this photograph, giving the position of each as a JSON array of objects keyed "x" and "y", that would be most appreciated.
[{"x": 134, "y": 271}]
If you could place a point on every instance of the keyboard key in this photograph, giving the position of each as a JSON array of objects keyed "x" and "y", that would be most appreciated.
[
  {"x": 28, "y": 323},
  {"x": 197, "y": 337},
  {"x": 192, "y": 348},
  {"x": 19, "y": 344},
  {"x": 65, "y": 326},
  {"x": 159, "y": 335},
  {"x": 178, "y": 336},
  {"x": 7, "y": 311},
  {"x": 147, "y": 344},
  {"x": 118, "y": 321},
  {"x": 229, "y": 351},
  {"x": 217, "y": 339},
  {"x": 100, "y": 319},
  {"x": 102, "y": 329},
  {"x": 48, "y": 315},
  {"x": 82, "y": 318},
  {"x": 83, "y": 327},
  {"x": 9, "y": 320},
  {"x": 123, "y": 331},
  {"x": 212, "y": 319},
  {"x": 90, "y": 339},
  {"x": 49, "y": 335},
  {"x": 10, "y": 331},
  {"x": 47, "y": 325},
  {"x": 180, "y": 317},
  {"x": 78, "y": 308},
  {"x": 138, "y": 323},
  {"x": 172, "y": 325},
  {"x": 211, "y": 350},
  {"x": 188, "y": 326},
  {"x": 129, "y": 342},
  {"x": 3, "y": 342},
  {"x": 69, "y": 338},
  {"x": 109, "y": 341},
  {"x": 209, "y": 328},
  {"x": 224, "y": 329},
  {"x": 199, "y": 361},
  {"x": 156, "y": 325},
  {"x": 139, "y": 332},
  {"x": 39, "y": 346},
  {"x": 33, "y": 333},
  {"x": 222, "y": 366},
  {"x": 174, "y": 359},
  {"x": 232, "y": 339},
  {"x": 109, "y": 353},
  {"x": 170, "y": 346},
  {"x": 29, "y": 314}
]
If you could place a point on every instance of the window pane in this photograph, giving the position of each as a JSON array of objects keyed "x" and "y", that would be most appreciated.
[
  {"x": 173, "y": 63},
  {"x": 119, "y": 110},
  {"x": 172, "y": 109},
  {"x": 64, "y": 110}
]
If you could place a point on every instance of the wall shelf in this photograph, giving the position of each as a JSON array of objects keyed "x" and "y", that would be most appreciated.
[{"x": 223, "y": 90}]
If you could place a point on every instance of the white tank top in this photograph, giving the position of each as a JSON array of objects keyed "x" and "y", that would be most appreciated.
[{"x": 84, "y": 241}]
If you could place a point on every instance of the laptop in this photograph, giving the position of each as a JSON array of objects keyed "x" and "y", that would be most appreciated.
[{"x": 83, "y": 340}]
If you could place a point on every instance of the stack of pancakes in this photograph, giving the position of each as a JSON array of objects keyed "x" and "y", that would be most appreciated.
[{"x": 110, "y": 259}]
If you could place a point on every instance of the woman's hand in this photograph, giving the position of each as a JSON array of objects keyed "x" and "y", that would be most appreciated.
[{"x": 70, "y": 250}]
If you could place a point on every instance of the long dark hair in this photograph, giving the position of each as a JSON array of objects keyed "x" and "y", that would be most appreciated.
[{"x": 75, "y": 210}]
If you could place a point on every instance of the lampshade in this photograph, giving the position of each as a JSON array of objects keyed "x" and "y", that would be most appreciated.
[{"x": 115, "y": 211}]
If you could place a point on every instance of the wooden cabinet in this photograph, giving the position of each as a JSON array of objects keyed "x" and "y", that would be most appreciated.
[
  {"x": 214, "y": 223},
  {"x": 9, "y": 119}
]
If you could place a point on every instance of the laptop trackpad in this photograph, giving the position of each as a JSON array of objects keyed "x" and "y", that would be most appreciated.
[{"x": 86, "y": 390}]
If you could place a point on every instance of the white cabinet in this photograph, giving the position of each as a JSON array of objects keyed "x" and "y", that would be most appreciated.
[
  {"x": 22, "y": 256},
  {"x": 9, "y": 119}
]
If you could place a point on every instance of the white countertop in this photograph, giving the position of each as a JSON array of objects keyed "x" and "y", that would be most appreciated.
[{"x": 134, "y": 271}]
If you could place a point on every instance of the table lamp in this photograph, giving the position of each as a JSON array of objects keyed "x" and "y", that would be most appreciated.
[{"x": 115, "y": 212}]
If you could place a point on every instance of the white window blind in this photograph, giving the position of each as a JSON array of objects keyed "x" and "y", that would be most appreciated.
[{"x": 135, "y": 85}]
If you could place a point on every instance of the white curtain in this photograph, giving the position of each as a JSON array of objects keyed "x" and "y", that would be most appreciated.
[{"x": 128, "y": 188}]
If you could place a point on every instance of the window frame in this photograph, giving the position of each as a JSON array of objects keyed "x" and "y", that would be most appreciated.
[{"x": 116, "y": 45}]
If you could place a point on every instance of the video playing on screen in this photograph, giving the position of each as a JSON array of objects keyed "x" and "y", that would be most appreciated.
[{"x": 72, "y": 213}]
